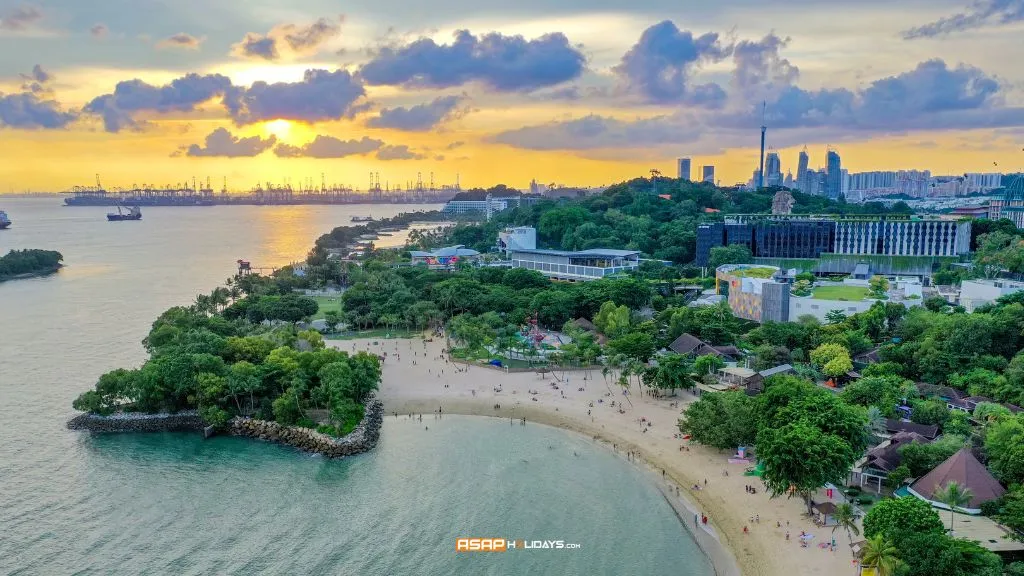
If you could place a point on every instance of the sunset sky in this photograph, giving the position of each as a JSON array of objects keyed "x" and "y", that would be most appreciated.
[{"x": 584, "y": 92}]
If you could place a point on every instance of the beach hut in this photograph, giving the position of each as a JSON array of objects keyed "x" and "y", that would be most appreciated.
[
  {"x": 964, "y": 469},
  {"x": 825, "y": 513}
]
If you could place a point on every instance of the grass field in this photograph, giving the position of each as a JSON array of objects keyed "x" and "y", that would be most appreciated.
[
  {"x": 326, "y": 303},
  {"x": 847, "y": 293},
  {"x": 375, "y": 333}
]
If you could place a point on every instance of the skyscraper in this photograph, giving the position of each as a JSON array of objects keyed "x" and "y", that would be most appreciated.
[
  {"x": 833, "y": 175},
  {"x": 684, "y": 168},
  {"x": 801, "y": 172},
  {"x": 773, "y": 168},
  {"x": 709, "y": 174}
]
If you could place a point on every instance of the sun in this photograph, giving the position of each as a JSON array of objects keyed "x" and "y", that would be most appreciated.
[{"x": 280, "y": 128}]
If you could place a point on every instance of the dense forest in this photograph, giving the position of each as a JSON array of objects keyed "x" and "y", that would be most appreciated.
[{"x": 29, "y": 262}]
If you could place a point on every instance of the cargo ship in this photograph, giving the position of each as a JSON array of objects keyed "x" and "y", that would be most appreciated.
[
  {"x": 5, "y": 222},
  {"x": 133, "y": 213},
  {"x": 362, "y": 218}
]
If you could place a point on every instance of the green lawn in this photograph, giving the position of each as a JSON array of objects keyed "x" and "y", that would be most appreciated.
[
  {"x": 326, "y": 303},
  {"x": 847, "y": 293},
  {"x": 374, "y": 333}
]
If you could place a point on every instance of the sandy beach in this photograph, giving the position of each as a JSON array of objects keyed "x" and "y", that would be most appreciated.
[{"x": 416, "y": 379}]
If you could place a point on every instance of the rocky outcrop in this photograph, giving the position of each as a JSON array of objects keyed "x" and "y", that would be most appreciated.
[
  {"x": 185, "y": 421},
  {"x": 362, "y": 439}
]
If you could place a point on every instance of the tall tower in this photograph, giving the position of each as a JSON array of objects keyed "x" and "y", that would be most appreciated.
[
  {"x": 801, "y": 171},
  {"x": 684, "y": 169},
  {"x": 764, "y": 128},
  {"x": 833, "y": 175},
  {"x": 774, "y": 167}
]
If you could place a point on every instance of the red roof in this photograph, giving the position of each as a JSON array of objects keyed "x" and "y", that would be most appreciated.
[{"x": 711, "y": 210}]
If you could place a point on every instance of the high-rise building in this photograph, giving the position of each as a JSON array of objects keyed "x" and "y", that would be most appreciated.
[
  {"x": 684, "y": 168},
  {"x": 788, "y": 182},
  {"x": 833, "y": 175},
  {"x": 773, "y": 170},
  {"x": 801, "y": 172},
  {"x": 708, "y": 174},
  {"x": 846, "y": 181}
]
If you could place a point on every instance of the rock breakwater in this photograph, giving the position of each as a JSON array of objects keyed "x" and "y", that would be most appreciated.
[
  {"x": 363, "y": 438},
  {"x": 185, "y": 421}
]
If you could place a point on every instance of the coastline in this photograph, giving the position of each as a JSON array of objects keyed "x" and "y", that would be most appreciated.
[
  {"x": 28, "y": 275},
  {"x": 707, "y": 539},
  {"x": 418, "y": 379}
]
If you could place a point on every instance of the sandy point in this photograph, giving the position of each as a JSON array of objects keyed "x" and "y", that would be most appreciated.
[{"x": 418, "y": 379}]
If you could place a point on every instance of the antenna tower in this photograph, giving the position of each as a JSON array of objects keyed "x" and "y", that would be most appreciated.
[{"x": 764, "y": 128}]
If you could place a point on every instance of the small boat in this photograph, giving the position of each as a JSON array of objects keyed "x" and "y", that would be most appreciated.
[
  {"x": 133, "y": 213},
  {"x": 5, "y": 222},
  {"x": 362, "y": 218}
]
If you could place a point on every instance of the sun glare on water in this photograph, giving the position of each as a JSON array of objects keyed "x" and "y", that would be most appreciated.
[{"x": 279, "y": 128}]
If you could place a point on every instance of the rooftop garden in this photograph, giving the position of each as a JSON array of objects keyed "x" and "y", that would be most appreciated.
[
  {"x": 754, "y": 272},
  {"x": 845, "y": 293}
]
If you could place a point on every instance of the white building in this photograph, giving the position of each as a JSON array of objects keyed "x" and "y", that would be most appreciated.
[
  {"x": 975, "y": 182},
  {"x": 584, "y": 265},
  {"x": 518, "y": 238},
  {"x": 975, "y": 293}
]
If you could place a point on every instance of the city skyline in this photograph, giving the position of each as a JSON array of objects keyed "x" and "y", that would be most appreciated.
[{"x": 162, "y": 93}]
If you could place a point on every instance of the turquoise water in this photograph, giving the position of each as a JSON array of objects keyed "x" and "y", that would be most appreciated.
[{"x": 71, "y": 503}]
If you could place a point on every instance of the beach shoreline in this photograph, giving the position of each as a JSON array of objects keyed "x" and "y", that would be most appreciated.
[
  {"x": 685, "y": 509},
  {"x": 417, "y": 379}
]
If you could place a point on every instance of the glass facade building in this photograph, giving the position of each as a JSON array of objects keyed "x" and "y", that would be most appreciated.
[{"x": 812, "y": 236}]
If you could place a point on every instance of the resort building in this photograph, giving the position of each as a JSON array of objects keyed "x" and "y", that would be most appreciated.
[
  {"x": 754, "y": 292},
  {"x": 690, "y": 345},
  {"x": 583, "y": 265},
  {"x": 486, "y": 207},
  {"x": 975, "y": 293},
  {"x": 964, "y": 469},
  {"x": 444, "y": 258},
  {"x": 518, "y": 238},
  {"x": 873, "y": 469},
  {"x": 809, "y": 237}
]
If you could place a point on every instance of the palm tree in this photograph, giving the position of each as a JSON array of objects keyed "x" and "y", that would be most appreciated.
[
  {"x": 876, "y": 421},
  {"x": 846, "y": 518},
  {"x": 954, "y": 495},
  {"x": 881, "y": 555}
]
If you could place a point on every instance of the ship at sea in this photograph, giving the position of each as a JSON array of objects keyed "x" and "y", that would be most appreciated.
[
  {"x": 5, "y": 222},
  {"x": 362, "y": 218},
  {"x": 133, "y": 213}
]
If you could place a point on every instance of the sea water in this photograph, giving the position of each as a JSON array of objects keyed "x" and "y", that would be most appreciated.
[{"x": 75, "y": 503}]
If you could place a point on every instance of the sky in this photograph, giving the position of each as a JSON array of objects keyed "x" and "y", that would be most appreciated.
[{"x": 576, "y": 92}]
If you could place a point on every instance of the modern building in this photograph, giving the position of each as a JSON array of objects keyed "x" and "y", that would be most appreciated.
[
  {"x": 772, "y": 170},
  {"x": 708, "y": 174},
  {"x": 583, "y": 265},
  {"x": 833, "y": 175},
  {"x": 444, "y": 258},
  {"x": 683, "y": 168},
  {"x": 801, "y": 172},
  {"x": 979, "y": 212},
  {"x": 799, "y": 236},
  {"x": 977, "y": 182},
  {"x": 518, "y": 238},
  {"x": 754, "y": 292},
  {"x": 975, "y": 293},
  {"x": 488, "y": 206}
]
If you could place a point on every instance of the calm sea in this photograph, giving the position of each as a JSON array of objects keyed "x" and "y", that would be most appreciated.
[{"x": 71, "y": 503}]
